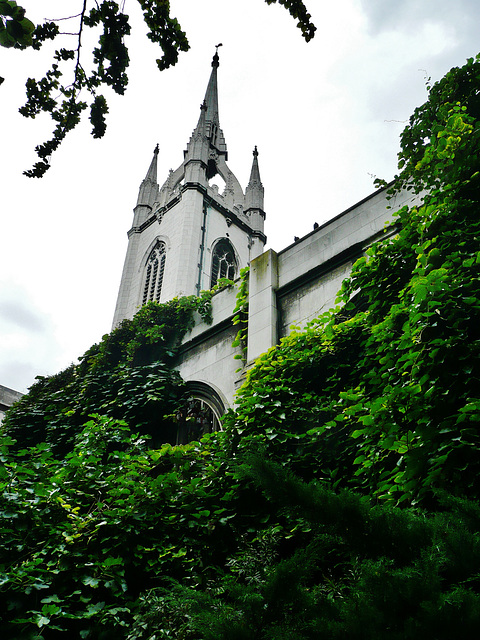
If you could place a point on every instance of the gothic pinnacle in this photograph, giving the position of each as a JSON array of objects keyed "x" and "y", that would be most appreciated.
[
  {"x": 149, "y": 188},
  {"x": 255, "y": 173},
  {"x": 254, "y": 191}
]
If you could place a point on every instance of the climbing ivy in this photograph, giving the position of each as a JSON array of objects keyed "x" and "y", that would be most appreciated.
[
  {"x": 240, "y": 317},
  {"x": 383, "y": 397},
  {"x": 83, "y": 534},
  {"x": 129, "y": 375}
]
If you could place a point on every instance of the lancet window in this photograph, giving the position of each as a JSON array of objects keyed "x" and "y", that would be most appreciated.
[
  {"x": 223, "y": 262},
  {"x": 154, "y": 273}
]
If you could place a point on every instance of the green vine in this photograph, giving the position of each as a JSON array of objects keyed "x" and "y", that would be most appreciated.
[
  {"x": 240, "y": 317},
  {"x": 154, "y": 328},
  {"x": 223, "y": 283},
  {"x": 203, "y": 304}
]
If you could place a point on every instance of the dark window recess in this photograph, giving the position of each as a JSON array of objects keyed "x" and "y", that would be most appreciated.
[{"x": 196, "y": 419}]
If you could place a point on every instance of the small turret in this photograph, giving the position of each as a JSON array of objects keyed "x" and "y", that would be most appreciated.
[
  {"x": 254, "y": 204},
  {"x": 254, "y": 191}
]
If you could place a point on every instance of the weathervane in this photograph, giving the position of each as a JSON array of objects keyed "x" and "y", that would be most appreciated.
[{"x": 215, "y": 57}]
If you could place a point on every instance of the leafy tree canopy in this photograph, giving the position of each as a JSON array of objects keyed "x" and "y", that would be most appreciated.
[{"x": 73, "y": 84}]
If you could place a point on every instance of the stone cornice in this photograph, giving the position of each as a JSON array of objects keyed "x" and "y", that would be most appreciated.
[
  {"x": 210, "y": 332},
  {"x": 161, "y": 211},
  {"x": 256, "y": 233},
  {"x": 142, "y": 227},
  {"x": 210, "y": 200},
  {"x": 351, "y": 254}
]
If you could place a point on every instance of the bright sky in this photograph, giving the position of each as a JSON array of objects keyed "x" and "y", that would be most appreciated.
[{"x": 326, "y": 117}]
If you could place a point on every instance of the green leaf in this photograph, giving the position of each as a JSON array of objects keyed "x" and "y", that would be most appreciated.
[
  {"x": 90, "y": 581},
  {"x": 6, "y": 39},
  {"x": 41, "y": 621}
]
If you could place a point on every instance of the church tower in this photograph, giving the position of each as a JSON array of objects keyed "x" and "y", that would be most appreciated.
[{"x": 186, "y": 235}]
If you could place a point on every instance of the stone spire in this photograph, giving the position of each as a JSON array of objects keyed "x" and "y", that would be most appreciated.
[
  {"x": 148, "y": 192},
  {"x": 214, "y": 133},
  {"x": 254, "y": 191},
  {"x": 207, "y": 144}
]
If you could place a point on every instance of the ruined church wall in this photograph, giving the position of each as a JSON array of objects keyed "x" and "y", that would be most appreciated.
[
  {"x": 307, "y": 301},
  {"x": 7, "y": 398}
]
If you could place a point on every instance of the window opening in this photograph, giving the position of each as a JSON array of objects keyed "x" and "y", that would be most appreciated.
[
  {"x": 223, "y": 262},
  {"x": 217, "y": 183},
  {"x": 196, "y": 419},
  {"x": 154, "y": 274},
  {"x": 213, "y": 135}
]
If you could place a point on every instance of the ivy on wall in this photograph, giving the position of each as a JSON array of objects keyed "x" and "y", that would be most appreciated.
[
  {"x": 386, "y": 398},
  {"x": 240, "y": 317},
  {"x": 129, "y": 375}
]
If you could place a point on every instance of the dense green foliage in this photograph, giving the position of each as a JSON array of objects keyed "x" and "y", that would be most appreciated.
[
  {"x": 129, "y": 375},
  {"x": 74, "y": 83},
  {"x": 388, "y": 384},
  {"x": 340, "y": 501}
]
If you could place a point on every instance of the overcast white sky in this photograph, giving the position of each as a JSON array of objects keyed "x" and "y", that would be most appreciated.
[{"x": 325, "y": 116}]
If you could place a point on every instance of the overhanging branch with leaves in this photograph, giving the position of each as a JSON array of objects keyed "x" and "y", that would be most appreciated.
[{"x": 74, "y": 84}]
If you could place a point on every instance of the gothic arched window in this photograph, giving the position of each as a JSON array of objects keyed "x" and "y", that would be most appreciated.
[
  {"x": 154, "y": 273},
  {"x": 223, "y": 262},
  {"x": 195, "y": 419},
  {"x": 200, "y": 414}
]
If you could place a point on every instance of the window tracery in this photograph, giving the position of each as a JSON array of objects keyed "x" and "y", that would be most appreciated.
[
  {"x": 223, "y": 262},
  {"x": 155, "y": 269}
]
